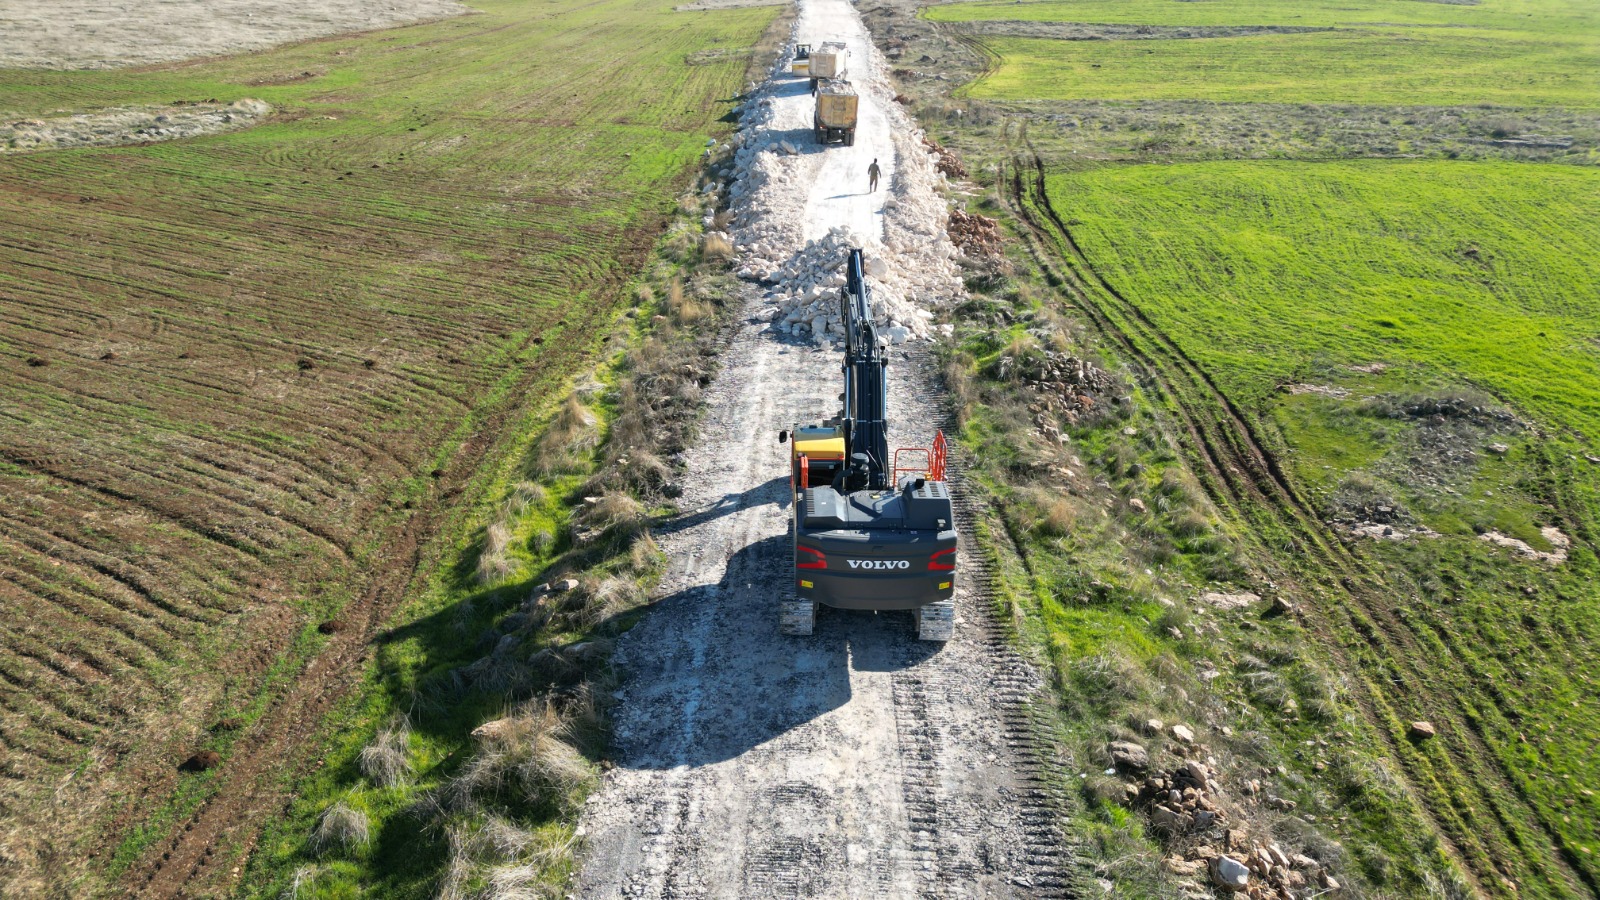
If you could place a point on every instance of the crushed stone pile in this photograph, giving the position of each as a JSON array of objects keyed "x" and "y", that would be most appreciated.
[
  {"x": 129, "y": 125},
  {"x": 1188, "y": 807},
  {"x": 911, "y": 270},
  {"x": 810, "y": 284}
]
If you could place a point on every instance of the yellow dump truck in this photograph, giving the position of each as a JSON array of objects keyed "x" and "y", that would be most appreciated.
[
  {"x": 835, "y": 118},
  {"x": 827, "y": 61}
]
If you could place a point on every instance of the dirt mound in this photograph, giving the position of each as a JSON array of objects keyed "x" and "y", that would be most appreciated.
[
  {"x": 200, "y": 762},
  {"x": 949, "y": 164}
]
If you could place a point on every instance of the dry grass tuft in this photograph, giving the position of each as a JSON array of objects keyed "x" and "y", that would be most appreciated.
[
  {"x": 644, "y": 555},
  {"x": 1047, "y": 513},
  {"x": 716, "y": 246},
  {"x": 525, "y": 495},
  {"x": 500, "y": 672},
  {"x": 643, "y": 471},
  {"x": 302, "y": 884},
  {"x": 680, "y": 244},
  {"x": 572, "y": 432},
  {"x": 501, "y": 840},
  {"x": 525, "y": 882},
  {"x": 495, "y": 562},
  {"x": 684, "y": 308},
  {"x": 615, "y": 512},
  {"x": 963, "y": 390},
  {"x": 340, "y": 827},
  {"x": 386, "y": 761},
  {"x": 542, "y": 540},
  {"x": 613, "y": 596},
  {"x": 529, "y": 755}
]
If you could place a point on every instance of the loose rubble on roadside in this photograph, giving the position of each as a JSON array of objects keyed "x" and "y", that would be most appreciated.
[{"x": 1200, "y": 821}]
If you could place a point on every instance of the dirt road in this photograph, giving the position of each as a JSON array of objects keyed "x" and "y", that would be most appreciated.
[{"x": 856, "y": 762}]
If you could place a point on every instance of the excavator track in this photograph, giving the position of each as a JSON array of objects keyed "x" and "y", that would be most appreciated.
[
  {"x": 797, "y": 618},
  {"x": 937, "y": 621}
]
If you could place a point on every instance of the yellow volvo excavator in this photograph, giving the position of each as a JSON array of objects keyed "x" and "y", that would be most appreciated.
[{"x": 869, "y": 533}]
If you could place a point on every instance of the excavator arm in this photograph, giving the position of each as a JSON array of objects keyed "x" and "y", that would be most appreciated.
[{"x": 866, "y": 388}]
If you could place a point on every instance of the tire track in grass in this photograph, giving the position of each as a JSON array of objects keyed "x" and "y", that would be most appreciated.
[{"x": 1246, "y": 478}]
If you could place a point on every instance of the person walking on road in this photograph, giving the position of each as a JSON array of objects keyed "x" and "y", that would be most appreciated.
[{"x": 872, "y": 175}]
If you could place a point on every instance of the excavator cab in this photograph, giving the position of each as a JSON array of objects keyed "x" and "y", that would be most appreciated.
[{"x": 815, "y": 457}]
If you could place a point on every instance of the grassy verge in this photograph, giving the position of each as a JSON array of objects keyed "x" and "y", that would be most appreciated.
[{"x": 413, "y": 797}]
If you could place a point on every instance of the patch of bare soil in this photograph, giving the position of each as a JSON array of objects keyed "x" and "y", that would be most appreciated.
[
  {"x": 86, "y": 34},
  {"x": 1559, "y": 544},
  {"x": 1337, "y": 393},
  {"x": 129, "y": 125},
  {"x": 1089, "y": 31}
]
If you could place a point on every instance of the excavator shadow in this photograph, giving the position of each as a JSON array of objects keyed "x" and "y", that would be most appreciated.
[
  {"x": 736, "y": 684},
  {"x": 774, "y": 491}
]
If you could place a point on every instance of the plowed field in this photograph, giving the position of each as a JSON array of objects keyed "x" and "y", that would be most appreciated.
[{"x": 241, "y": 376}]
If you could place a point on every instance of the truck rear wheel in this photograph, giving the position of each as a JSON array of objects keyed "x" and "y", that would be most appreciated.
[{"x": 850, "y": 138}]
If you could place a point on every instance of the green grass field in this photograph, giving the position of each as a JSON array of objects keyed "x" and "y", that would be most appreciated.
[
  {"x": 1395, "y": 52},
  {"x": 250, "y": 377},
  {"x": 1460, "y": 280},
  {"x": 1456, "y": 272}
]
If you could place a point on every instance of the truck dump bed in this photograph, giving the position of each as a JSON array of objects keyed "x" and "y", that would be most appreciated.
[
  {"x": 836, "y": 104},
  {"x": 829, "y": 60}
]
